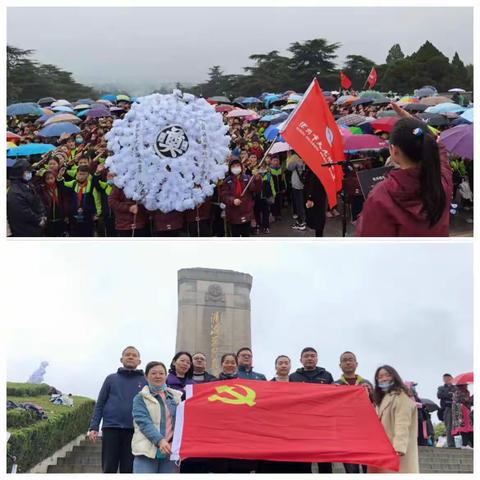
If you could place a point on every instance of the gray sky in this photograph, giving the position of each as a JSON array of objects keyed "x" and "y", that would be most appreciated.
[
  {"x": 77, "y": 305},
  {"x": 140, "y": 48}
]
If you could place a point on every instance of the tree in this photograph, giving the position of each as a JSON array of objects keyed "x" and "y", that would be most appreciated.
[
  {"x": 357, "y": 68},
  {"x": 394, "y": 54},
  {"x": 439, "y": 430}
]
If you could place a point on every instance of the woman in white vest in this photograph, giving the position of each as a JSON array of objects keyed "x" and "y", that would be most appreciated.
[{"x": 154, "y": 410}]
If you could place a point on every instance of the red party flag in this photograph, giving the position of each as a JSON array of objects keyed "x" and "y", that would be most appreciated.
[
  {"x": 298, "y": 422},
  {"x": 312, "y": 132},
  {"x": 345, "y": 82},
  {"x": 372, "y": 78}
]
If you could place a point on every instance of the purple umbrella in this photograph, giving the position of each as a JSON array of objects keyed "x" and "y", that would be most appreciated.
[
  {"x": 98, "y": 112},
  {"x": 363, "y": 142},
  {"x": 459, "y": 140}
]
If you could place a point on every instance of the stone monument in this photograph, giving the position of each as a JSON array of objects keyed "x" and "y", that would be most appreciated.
[{"x": 213, "y": 313}]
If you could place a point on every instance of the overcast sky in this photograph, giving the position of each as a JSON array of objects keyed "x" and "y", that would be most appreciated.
[
  {"x": 77, "y": 305},
  {"x": 140, "y": 48}
]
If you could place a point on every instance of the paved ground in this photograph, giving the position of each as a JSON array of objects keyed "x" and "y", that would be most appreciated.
[{"x": 459, "y": 227}]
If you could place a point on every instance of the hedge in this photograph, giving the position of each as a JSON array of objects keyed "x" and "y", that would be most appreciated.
[
  {"x": 37, "y": 442},
  {"x": 18, "y": 418},
  {"x": 26, "y": 389}
]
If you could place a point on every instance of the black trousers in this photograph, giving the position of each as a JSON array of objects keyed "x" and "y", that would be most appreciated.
[
  {"x": 117, "y": 450},
  {"x": 267, "y": 466},
  {"x": 240, "y": 229},
  {"x": 82, "y": 229},
  {"x": 199, "y": 229}
]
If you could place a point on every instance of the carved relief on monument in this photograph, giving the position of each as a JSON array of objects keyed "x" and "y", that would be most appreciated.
[{"x": 215, "y": 294}]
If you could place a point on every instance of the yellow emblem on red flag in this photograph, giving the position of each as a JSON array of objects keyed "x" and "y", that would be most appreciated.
[{"x": 238, "y": 399}]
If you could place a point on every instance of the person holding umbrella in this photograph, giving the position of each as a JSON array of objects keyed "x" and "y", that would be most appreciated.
[
  {"x": 413, "y": 200},
  {"x": 461, "y": 414}
]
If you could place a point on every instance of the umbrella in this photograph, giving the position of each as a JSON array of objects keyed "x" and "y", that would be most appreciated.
[
  {"x": 463, "y": 378},
  {"x": 468, "y": 115},
  {"x": 425, "y": 92},
  {"x": 13, "y": 136},
  {"x": 459, "y": 90},
  {"x": 352, "y": 119},
  {"x": 104, "y": 101},
  {"x": 240, "y": 112},
  {"x": 382, "y": 101},
  {"x": 434, "y": 119},
  {"x": 408, "y": 99},
  {"x": 280, "y": 147},
  {"x": 277, "y": 118},
  {"x": 363, "y": 142},
  {"x": 224, "y": 108},
  {"x": 289, "y": 106},
  {"x": 46, "y": 101},
  {"x": 81, "y": 106},
  {"x": 88, "y": 101},
  {"x": 459, "y": 140},
  {"x": 220, "y": 99},
  {"x": 429, "y": 405},
  {"x": 294, "y": 98},
  {"x": 445, "y": 108},
  {"x": 460, "y": 121},
  {"x": 62, "y": 108},
  {"x": 252, "y": 117},
  {"x": 251, "y": 100},
  {"x": 58, "y": 129},
  {"x": 345, "y": 132},
  {"x": 98, "y": 113},
  {"x": 29, "y": 108},
  {"x": 11, "y": 145},
  {"x": 238, "y": 100},
  {"x": 30, "y": 149},
  {"x": 345, "y": 99},
  {"x": 61, "y": 103},
  {"x": 362, "y": 101},
  {"x": 110, "y": 97},
  {"x": 387, "y": 113},
  {"x": 415, "y": 107},
  {"x": 356, "y": 130},
  {"x": 62, "y": 117},
  {"x": 385, "y": 124},
  {"x": 121, "y": 98},
  {"x": 273, "y": 132},
  {"x": 114, "y": 109},
  {"x": 430, "y": 101},
  {"x": 270, "y": 111}
]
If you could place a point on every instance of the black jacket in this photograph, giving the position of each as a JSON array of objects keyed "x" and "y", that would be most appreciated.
[
  {"x": 313, "y": 190},
  {"x": 24, "y": 209},
  {"x": 319, "y": 375},
  {"x": 445, "y": 394}
]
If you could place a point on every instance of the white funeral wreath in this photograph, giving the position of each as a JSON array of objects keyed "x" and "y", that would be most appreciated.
[{"x": 168, "y": 151}]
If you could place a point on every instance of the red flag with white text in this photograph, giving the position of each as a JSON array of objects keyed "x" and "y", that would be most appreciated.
[
  {"x": 313, "y": 133},
  {"x": 372, "y": 78},
  {"x": 298, "y": 422}
]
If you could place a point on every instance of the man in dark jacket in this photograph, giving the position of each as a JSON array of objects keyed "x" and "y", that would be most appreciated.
[
  {"x": 245, "y": 369},
  {"x": 445, "y": 394},
  {"x": 25, "y": 211},
  {"x": 200, "y": 375},
  {"x": 114, "y": 406},
  {"x": 310, "y": 373}
]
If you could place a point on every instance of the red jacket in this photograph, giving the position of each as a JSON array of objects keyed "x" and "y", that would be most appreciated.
[
  {"x": 242, "y": 213},
  {"x": 120, "y": 206},
  {"x": 163, "y": 222},
  {"x": 394, "y": 207},
  {"x": 201, "y": 212}
]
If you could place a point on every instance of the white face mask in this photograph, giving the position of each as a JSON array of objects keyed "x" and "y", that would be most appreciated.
[
  {"x": 236, "y": 170},
  {"x": 27, "y": 176}
]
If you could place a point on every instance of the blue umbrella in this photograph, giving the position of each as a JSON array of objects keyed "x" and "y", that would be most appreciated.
[
  {"x": 468, "y": 115},
  {"x": 269, "y": 99},
  {"x": 273, "y": 131},
  {"x": 445, "y": 108},
  {"x": 82, "y": 113},
  {"x": 57, "y": 129},
  {"x": 46, "y": 116},
  {"x": 110, "y": 97},
  {"x": 30, "y": 149},
  {"x": 10, "y": 162},
  {"x": 89, "y": 101},
  {"x": 29, "y": 108},
  {"x": 460, "y": 121},
  {"x": 250, "y": 100},
  {"x": 279, "y": 117}
]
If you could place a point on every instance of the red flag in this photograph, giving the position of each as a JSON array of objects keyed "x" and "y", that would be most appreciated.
[
  {"x": 345, "y": 81},
  {"x": 299, "y": 422},
  {"x": 312, "y": 132},
  {"x": 372, "y": 78}
]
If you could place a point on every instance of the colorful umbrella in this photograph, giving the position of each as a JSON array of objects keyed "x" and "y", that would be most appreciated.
[
  {"x": 357, "y": 143},
  {"x": 345, "y": 132},
  {"x": 408, "y": 99},
  {"x": 29, "y": 108},
  {"x": 62, "y": 117},
  {"x": 240, "y": 112},
  {"x": 463, "y": 378},
  {"x": 445, "y": 108},
  {"x": 30, "y": 149},
  {"x": 81, "y": 106},
  {"x": 220, "y": 99},
  {"x": 431, "y": 101},
  {"x": 11, "y": 145},
  {"x": 356, "y": 130},
  {"x": 224, "y": 108},
  {"x": 58, "y": 129},
  {"x": 13, "y": 136},
  {"x": 459, "y": 140},
  {"x": 384, "y": 124},
  {"x": 351, "y": 119}
]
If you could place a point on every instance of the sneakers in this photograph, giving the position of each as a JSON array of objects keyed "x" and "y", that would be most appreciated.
[{"x": 299, "y": 226}]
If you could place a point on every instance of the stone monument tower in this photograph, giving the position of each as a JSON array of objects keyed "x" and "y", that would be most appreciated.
[{"x": 213, "y": 312}]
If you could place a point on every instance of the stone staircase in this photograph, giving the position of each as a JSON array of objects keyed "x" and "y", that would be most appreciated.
[{"x": 86, "y": 458}]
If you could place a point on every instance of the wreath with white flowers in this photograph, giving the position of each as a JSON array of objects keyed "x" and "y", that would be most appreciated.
[{"x": 168, "y": 151}]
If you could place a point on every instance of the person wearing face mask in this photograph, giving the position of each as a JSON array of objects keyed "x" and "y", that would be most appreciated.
[
  {"x": 25, "y": 211},
  {"x": 180, "y": 372},
  {"x": 154, "y": 409},
  {"x": 239, "y": 208},
  {"x": 398, "y": 415}
]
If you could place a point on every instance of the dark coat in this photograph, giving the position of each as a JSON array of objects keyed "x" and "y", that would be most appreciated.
[
  {"x": 445, "y": 395},
  {"x": 24, "y": 209},
  {"x": 250, "y": 374},
  {"x": 394, "y": 206},
  {"x": 201, "y": 212},
  {"x": 242, "y": 213},
  {"x": 163, "y": 222},
  {"x": 207, "y": 377},
  {"x": 59, "y": 210},
  {"x": 319, "y": 375},
  {"x": 178, "y": 383},
  {"x": 115, "y": 400},
  {"x": 313, "y": 190},
  {"x": 120, "y": 206}
]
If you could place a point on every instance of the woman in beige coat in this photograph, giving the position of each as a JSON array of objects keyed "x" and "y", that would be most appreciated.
[{"x": 398, "y": 415}]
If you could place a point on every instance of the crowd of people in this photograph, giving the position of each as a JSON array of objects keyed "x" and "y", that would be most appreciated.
[
  {"x": 69, "y": 191},
  {"x": 137, "y": 411}
]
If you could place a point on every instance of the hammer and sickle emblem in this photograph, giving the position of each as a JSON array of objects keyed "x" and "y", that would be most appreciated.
[{"x": 238, "y": 399}]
